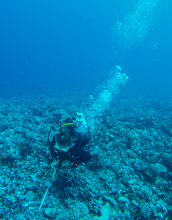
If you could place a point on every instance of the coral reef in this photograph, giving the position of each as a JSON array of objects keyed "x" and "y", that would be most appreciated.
[{"x": 128, "y": 177}]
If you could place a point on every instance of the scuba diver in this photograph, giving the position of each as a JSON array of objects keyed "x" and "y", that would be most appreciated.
[{"x": 72, "y": 142}]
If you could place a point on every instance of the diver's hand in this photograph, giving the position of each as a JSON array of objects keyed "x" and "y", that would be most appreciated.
[{"x": 54, "y": 164}]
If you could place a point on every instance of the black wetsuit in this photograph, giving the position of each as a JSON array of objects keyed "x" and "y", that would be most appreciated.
[{"x": 75, "y": 153}]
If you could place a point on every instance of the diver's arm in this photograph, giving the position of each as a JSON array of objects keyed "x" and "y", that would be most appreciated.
[{"x": 51, "y": 147}]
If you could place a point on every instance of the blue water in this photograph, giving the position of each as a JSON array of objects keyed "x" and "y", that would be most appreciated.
[{"x": 69, "y": 47}]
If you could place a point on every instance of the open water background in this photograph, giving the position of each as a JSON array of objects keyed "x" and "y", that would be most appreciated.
[{"x": 69, "y": 47}]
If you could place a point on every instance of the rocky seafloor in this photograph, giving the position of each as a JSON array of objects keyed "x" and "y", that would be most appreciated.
[{"x": 128, "y": 177}]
